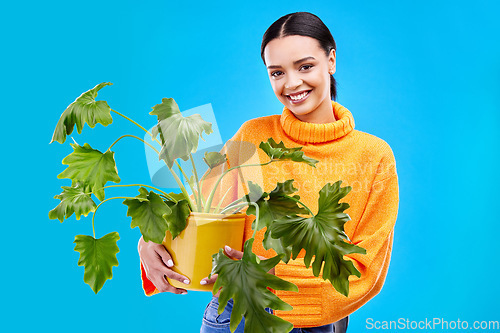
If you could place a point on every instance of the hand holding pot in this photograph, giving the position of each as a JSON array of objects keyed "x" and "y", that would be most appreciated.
[
  {"x": 157, "y": 263},
  {"x": 234, "y": 254}
]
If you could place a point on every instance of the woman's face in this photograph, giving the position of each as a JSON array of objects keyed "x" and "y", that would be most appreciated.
[{"x": 299, "y": 71}]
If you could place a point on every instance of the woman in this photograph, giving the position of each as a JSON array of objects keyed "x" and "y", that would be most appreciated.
[{"x": 300, "y": 56}]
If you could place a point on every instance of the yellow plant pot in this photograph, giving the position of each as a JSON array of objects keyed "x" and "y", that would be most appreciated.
[{"x": 204, "y": 235}]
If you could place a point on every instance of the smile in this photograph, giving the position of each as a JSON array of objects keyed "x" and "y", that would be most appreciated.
[{"x": 298, "y": 97}]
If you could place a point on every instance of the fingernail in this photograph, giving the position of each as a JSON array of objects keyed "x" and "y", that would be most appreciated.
[
  {"x": 186, "y": 281},
  {"x": 203, "y": 282},
  {"x": 184, "y": 293},
  {"x": 228, "y": 249},
  {"x": 170, "y": 263}
]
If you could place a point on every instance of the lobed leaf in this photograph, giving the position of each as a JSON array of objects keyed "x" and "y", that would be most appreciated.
[
  {"x": 278, "y": 151},
  {"x": 322, "y": 236},
  {"x": 246, "y": 282},
  {"x": 179, "y": 134},
  {"x": 90, "y": 167},
  {"x": 98, "y": 256},
  {"x": 213, "y": 159},
  {"x": 147, "y": 210},
  {"x": 73, "y": 200},
  {"x": 85, "y": 109},
  {"x": 175, "y": 196},
  {"x": 273, "y": 206},
  {"x": 176, "y": 220}
]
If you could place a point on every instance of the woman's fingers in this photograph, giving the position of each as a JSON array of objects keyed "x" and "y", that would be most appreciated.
[
  {"x": 235, "y": 254},
  {"x": 163, "y": 286},
  {"x": 166, "y": 260},
  {"x": 176, "y": 276},
  {"x": 209, "y": 281},
  {"x": 164, "y": 255},
  {"x": 157, "y": 264}
]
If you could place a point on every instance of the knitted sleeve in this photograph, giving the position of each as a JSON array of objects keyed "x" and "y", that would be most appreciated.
[{"x": 374, "y": 232}]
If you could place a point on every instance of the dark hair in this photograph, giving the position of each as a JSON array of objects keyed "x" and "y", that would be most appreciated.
[{"x": 302, "y": 24}]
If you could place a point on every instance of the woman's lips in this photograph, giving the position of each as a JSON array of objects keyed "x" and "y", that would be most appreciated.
[{"x": 298, "y": 98}]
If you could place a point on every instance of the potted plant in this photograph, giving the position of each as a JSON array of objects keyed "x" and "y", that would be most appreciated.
[{"x": 180, "y": 221}]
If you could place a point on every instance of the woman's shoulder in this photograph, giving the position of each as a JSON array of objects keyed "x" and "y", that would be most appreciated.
[
  {"x": 371, "y": 144},
  {"x": 258, "y": 127}
]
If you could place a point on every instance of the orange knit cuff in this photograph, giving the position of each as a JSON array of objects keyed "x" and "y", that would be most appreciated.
[{"x": 148, "y": 286}]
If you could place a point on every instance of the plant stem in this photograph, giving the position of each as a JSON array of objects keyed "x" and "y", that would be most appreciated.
[
  {"x": 212, "y": 193},
  {"x": 203, "y": 178},
  {"x": 197, "y": 182},
  {"x": 256, "y": 216},
  {"x": 190, "y": 186},
  {"x": 221, "y": 200},
  {"x": 232, "y": 204},
  {"x": 183, "y": 189},
  {"x": 133, "y": 136},
  {"x": 145, "y": 130},
  {"x": 154, "y": 188},
  {"x": 238, "y": 206},
  {"x": 95, "y": 211}
]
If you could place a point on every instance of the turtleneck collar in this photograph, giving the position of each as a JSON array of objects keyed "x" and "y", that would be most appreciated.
[{"x": 318, "y": 133}]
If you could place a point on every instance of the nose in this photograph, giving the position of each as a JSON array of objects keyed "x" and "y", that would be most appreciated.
[{"x": 292, "y": 81}]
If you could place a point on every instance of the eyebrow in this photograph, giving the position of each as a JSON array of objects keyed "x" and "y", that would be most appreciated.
[{"x": 295, "y": 62}]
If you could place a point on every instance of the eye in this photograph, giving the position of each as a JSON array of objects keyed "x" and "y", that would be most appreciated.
[
  {"x": 276, "y": 74},
  {"x": 306, "y": 67}
]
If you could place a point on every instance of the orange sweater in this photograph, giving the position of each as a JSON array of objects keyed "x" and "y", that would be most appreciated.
[{"x": 360, "y": 160}]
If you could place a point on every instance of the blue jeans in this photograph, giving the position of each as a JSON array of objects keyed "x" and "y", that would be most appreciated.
[{"x": 215, "y": 323}]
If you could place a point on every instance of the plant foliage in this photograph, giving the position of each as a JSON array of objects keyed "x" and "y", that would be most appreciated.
[
  {"x": 179, "y": 134},
  {"x": 177, "y": 218},
  {"x": 98, "y": 256},
  {"x": 279, "y": 151},
  {"x": 213, "y": 159},
  {"x": 246, "y": 282},
  {"x": 322, "y": 236},
  {"x": 90, "y": 167},
  {"x": 73, "y": 200},
  {"x": 272, "y": 206},
  {"x": 85, "y": 109},
  {"x": 290, "y": 225},
  {"x": 147, "y": 210}
]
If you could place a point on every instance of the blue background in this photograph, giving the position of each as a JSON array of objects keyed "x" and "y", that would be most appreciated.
[{"x": 423, "y": 76}]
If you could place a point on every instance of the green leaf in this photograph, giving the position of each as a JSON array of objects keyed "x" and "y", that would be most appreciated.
[
  {"x": 176, "y": 220},
  {"x": 191, "y": 181},
  {"x": 73, "y": 200},
  {"x": 85, "y": 109},
  {"x": 278, "y": 151},
  {"x": 179, "y": 134},
  {"x": 213, "y": 159},
  {"x": 98, "y": 256},
  {"x": 246, "y": 282},
  {"x": 273, "y": 206},
  {"x": 175, "y": 196},
  {"x": 147, "y": 210},
  {"x": 166, "y": 109},
  {"x": 90, "y": 167},
  {"x": 323, "y": 237}
]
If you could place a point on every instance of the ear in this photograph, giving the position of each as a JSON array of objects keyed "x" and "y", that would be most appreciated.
[{"x": 332, "y": 62}]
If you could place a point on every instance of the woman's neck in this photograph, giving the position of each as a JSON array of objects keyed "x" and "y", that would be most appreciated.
[{"x": 322, "y": 115}]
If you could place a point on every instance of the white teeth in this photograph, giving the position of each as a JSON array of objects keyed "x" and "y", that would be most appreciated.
[{"x": 296, "y": 98}]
